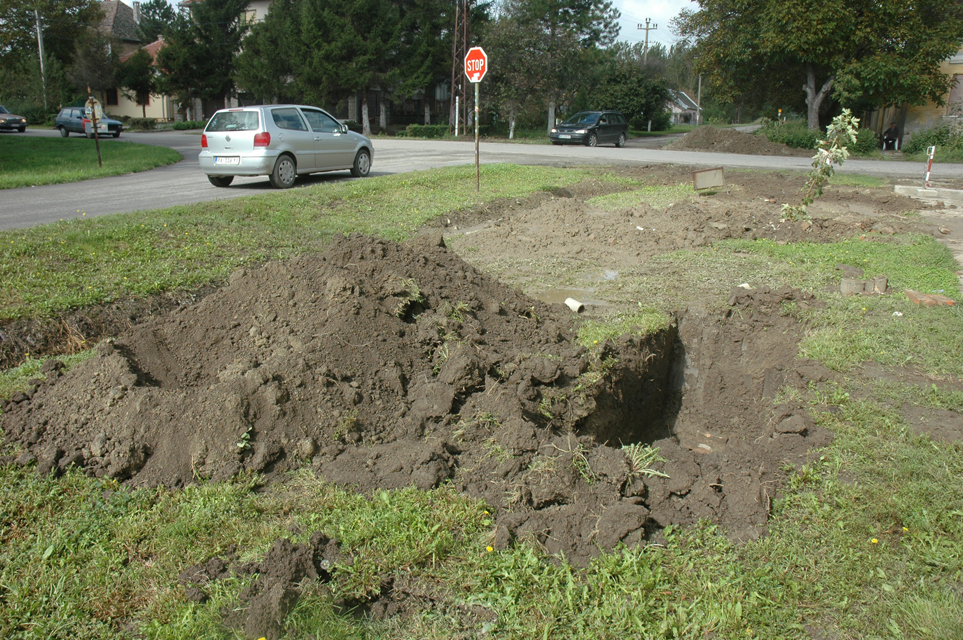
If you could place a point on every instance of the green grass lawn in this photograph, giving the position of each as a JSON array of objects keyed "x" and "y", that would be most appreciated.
[
  {"x": 866, "y": 541},
  {"x": 27, "y": 161}
]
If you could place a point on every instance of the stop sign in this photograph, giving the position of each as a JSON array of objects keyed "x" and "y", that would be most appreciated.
[{"x": 476, "y": 64}]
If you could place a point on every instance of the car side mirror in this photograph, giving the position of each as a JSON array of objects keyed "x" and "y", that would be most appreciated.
[{"x": 344, "y": 128}]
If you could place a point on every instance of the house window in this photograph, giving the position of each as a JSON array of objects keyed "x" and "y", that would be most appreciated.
[
  {"x": 110, "y": 97},
  {"x": 250, "y": 16}
]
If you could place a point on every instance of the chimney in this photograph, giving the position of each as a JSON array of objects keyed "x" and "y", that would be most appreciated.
[{"x": 137, "y": 12}]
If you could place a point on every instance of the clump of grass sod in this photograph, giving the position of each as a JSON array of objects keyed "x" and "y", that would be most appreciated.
[{"x": 30, "y": 161}]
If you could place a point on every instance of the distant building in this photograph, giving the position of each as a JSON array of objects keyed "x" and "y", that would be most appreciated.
[
  {"x": 912, "y": 119},
  {"x": 684, "y": 109},
  {"x": 120, "y": 23}
]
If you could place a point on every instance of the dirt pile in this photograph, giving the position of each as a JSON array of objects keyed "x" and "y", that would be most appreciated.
[
  {"x": 732, "y": 141},
  {"x": 385, "y": 365}
]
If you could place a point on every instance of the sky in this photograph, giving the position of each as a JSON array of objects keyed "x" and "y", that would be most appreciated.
[{"x": 661, "y": 12}]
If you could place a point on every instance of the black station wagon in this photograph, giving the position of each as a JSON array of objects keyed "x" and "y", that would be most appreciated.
[{"x": 592, "y": 128}]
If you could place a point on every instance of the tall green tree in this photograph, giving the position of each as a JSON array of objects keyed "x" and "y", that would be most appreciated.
[
  {"x": 180, "y": 63},
  {"x": 202, "y": 47},
  {"x": 346, "y": 46},
  {"x": 137, "y": 77},
  {"x": 510, "y": 82},
  {"x": 882, "y": 51},
  {"x": 562, "y": 34},
  {"x": 155, "y": 17},
  {"x": 63, "y": 23},
  {"x": 266, "y": 63},
  {"x": 95, "y": 62},
  {"x": 424, "y": 48}
]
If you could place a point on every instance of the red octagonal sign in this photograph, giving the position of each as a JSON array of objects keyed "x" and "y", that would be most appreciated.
[{"x": 476, "y": 64}]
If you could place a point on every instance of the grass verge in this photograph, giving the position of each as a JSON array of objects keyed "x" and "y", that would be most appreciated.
[
  {"x": 71, "y": 264},
  {"x": 31, "y": 161}
]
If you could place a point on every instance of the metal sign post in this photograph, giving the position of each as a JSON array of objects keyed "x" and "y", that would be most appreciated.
[
  {"x": 930, "y": 151},
  {"x": 477, "y": 173},
  {"x": 91, "y": 108},
  {"x": 476, "y": 66}
]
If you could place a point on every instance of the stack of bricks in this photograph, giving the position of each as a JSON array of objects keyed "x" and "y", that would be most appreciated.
[
  {"x": 929, "y": 299},
  {"x": 856, "y": 286}
]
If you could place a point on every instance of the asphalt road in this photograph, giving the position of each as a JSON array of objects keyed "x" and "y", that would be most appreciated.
[{"x": 184, "y": 183}]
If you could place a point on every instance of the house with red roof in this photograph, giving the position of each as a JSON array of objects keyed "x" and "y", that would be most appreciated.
[{"x": 120, "y": 22}]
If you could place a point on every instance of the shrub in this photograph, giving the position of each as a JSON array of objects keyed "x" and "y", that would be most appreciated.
[
  {"x": 793, "y": 134},
  {"x": 35, "y": 114},
  {"x": 354, "y": 126},
  {"x": 944, "y": 137},
  {"x": 866, "y": 142},
  {"x": 141, "y": 123},
  {"x": 189, "y": 124},
  {"x": 426, "y": 131}
]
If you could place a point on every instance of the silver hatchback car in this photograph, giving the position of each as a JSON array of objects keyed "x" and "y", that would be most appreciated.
[{"x": 281, "y": 141}]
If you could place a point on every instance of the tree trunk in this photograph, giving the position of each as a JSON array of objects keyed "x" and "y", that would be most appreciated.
[
  {"x": 427, "y": 111},
  {"x": 382, "y": 115},
  {"x": 365, "y": 124},
  {"x": 551, "y": 114},
  {"x": 814, "y": 99},
  {"x": 511, "y": 123}
]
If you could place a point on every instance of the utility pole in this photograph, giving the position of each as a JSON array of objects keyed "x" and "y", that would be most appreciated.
[
  {"x": 699, "y": 101},
  {"x": 43, "y": 75},
  {"x": 645, "y": 51},
  {"x": 459, "y": 49}
]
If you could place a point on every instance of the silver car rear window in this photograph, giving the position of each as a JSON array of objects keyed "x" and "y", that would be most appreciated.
[
  {"x": 288, "y": 118},
  {"x": 234, "y": 121}
]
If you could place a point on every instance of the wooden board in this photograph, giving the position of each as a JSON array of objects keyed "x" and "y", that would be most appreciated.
[{"x": 708, "y": 178}]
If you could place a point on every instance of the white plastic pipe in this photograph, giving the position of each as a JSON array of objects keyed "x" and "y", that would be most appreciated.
[{"x": 575, "y": 305}]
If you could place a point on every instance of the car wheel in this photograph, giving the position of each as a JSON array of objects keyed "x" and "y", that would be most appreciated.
[
  {"x": 64, "y": 132},
  {"x": 362, "y": 164},
  {"x": 285, "y": 172},
  {"x": 221, "y": 181},
  {"x": 621, "y": 142},
  {"x": 593, "y": 140},
  {"x": 117, "y": 135},
  {"x": 22, "y": 129}
]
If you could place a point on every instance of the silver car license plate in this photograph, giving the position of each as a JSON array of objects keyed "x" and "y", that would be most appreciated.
[
  {"x": 227, "y": 160},
  {"x": 565, "y": 136}
]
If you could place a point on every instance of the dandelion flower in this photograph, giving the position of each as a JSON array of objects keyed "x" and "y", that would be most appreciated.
[
  {"x": 874, "y": 541},
  {"x": 489, "y": 549}
]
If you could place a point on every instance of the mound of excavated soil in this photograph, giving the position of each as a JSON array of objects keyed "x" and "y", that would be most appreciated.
[
  {"x": 384, "y": 365},
  {"x": 732, "y": 141}
]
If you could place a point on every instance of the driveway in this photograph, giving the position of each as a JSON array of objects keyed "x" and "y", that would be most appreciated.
[{"x": 184, "y": 183}]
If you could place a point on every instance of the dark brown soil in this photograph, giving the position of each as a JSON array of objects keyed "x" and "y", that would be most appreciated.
[
  {"x": 384, "y": 365},
  {"x": 732, "y": 141}
]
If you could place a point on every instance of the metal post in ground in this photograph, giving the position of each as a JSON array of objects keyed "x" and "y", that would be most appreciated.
[{"x": 477, "y": 178}]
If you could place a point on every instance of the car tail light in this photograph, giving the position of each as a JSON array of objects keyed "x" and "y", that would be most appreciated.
[
  {"x": 262, "y": 139},
  {"x": 203, "y": 141}
]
